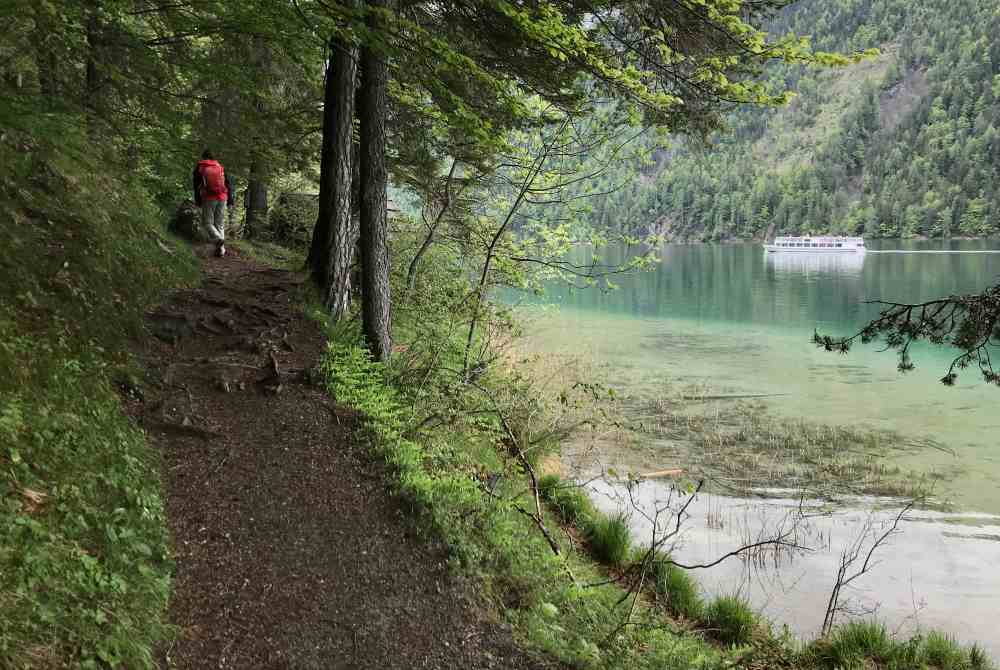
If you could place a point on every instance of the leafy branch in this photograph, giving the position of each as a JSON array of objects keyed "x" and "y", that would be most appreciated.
[{"x": 970, "y": 323}]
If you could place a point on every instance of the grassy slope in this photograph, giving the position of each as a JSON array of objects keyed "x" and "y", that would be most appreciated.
[{"x": 84, "y": 565}]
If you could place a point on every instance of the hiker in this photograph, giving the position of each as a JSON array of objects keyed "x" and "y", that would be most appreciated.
[{"x": 213, "y": 192}]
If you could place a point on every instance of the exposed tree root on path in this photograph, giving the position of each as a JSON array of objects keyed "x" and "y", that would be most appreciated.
[{"x": 289, "y": 551}]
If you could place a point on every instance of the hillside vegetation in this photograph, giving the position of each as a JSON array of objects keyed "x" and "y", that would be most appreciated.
[
  {"x": 84, "y": 551},
  {"x": 902, "y": 145}
]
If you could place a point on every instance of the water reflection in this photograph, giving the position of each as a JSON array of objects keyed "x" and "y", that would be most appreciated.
[{"x": 807, "y": 264}]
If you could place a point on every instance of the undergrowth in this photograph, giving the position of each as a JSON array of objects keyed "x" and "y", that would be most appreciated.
[{"x": 84, "y": 562}]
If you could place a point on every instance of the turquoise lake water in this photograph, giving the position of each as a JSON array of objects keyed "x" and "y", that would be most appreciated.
[{"x": 735, "y": 320}]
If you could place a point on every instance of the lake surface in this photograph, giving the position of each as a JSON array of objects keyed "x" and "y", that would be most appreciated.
[{"x": 737, "y": 321}]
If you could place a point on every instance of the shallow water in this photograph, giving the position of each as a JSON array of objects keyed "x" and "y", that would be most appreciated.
[
  {"x": 932, "y": 574},
  {"x": 738, "y": 321}
]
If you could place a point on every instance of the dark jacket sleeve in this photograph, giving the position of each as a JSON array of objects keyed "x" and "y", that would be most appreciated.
[{"x": 196, "y": 185}]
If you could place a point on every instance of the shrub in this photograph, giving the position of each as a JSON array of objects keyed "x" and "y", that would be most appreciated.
[
  {"x": 291, "y": 220},
  {"x": 730, "y": 620}
]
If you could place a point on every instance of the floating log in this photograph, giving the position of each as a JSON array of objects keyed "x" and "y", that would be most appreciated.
[{"x": 674, "y": 472}]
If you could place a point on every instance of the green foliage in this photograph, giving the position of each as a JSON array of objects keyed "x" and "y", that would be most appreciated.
[
  {"x": 609, "y": 538},
  {"x": 291, "y": 220},
  {"x": 84, "y": 551},
  {"x": 678, "y": 589},
  {"x": 941, "y": 651},
  {"x": 569, "y": 501},
  {"x": 902, "y": 145},
  {"x": 730, "y": 620},
  {"x": 979, "y": 659},
  {"x": 863, "y": 644}
]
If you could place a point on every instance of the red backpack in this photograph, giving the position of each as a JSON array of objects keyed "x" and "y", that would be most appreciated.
[{"x": 213, "y": 178}]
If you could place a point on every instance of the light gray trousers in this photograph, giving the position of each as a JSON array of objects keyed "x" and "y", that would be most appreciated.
[{"x": 213, "y": 219}]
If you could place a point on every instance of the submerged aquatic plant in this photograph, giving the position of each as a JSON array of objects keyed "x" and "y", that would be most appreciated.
[{"x": 744, "y": 447}]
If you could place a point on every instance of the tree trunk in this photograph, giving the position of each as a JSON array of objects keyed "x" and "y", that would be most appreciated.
[
  {"x": 256, "y": 192},
  {"x": 332, "y": 250},
  {"x": 256, "y": 200},
  {"x": 92, "y": 93},
  {"x": 373, "y": 107},
  {"x": 318, "y": 257}
]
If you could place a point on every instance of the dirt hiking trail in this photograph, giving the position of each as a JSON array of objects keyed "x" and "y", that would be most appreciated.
[{"x": 289, "y": 551}]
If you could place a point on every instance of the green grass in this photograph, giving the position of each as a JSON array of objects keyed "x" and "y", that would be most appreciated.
[
  {"x": 858, "y": 644},
  {"x": 941, "y": 651},
  {"x": 730, "y": 620},
  {"x": 678, "y": 590},
  {"x": 569, "y": 501},
  {"x": 979, "y": 659},
  {"x": 84, "y": 551},
  {"x": 610, "y": 539},
  {"x": 865, "y": 644}
]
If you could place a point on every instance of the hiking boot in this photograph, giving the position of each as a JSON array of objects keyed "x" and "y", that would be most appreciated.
[{"x": 220, "y": 249}]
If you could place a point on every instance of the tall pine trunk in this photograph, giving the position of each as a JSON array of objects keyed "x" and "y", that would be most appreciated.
[
  {"x": 372, "y": 110},
  {"x": 332, "y": 250}
]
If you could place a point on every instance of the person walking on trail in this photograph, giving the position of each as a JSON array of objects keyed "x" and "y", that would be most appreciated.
[{"x": 213, "y": 192}]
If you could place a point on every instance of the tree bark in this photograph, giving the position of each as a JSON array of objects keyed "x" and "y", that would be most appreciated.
[
  {"x": 92, "y": 92},
  {"x": 373, "y": 108},
  {"x": 332, "y": 249},
  {"x": 256, "y": 200}
]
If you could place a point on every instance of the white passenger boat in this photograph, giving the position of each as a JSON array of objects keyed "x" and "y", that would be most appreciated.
[{"x": 822, "y": 245}]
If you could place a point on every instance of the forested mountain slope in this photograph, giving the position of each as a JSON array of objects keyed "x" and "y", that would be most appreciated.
[{"x": 902, "y": 145}]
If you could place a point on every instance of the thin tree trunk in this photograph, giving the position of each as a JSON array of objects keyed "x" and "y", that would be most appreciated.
[
  {"x": 411, "y": 273},
  {"x": 373, "y": 107},
  {"x": 480, "y": 294}
]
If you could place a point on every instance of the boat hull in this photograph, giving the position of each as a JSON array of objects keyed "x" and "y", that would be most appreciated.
[{"x": 813, "y": 250}]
